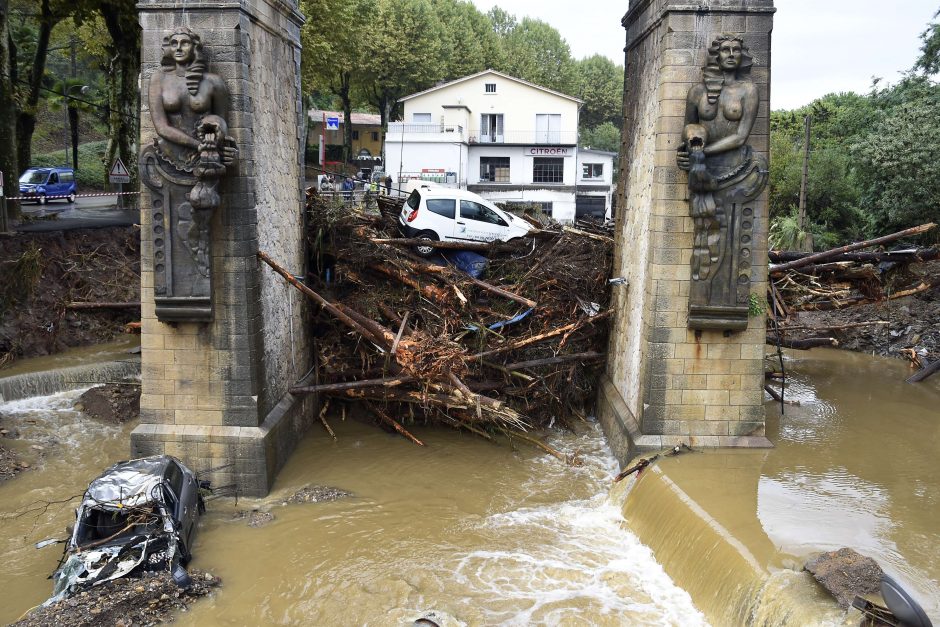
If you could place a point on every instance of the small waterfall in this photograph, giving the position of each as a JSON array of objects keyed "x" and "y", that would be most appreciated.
[
  {"x": 730, "y": 569},
  {"x": 51, "y": 381}
]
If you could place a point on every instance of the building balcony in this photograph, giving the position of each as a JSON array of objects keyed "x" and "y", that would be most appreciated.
[
  {"x": 399, "y": 131},
  {"x": 526, "y": 138}
]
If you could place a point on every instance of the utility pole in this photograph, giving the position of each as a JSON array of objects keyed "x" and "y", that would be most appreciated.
[{"x": 807, "y": 240}]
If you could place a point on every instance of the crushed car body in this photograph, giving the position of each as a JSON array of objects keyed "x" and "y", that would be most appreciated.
[{"x": 137, "y": 515}]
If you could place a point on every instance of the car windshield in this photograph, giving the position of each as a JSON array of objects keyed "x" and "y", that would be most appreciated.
[{"x": 32, "y": 177}]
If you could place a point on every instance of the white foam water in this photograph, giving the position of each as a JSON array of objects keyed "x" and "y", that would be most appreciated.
[{"x": 572, "y": 562}]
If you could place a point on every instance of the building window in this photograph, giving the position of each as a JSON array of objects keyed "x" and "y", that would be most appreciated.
[
  {"x": 355, "y": 134},
  {"x": 548, "y": 170},
  {"x": 421, "y": 118},
  {"x": 491, "y": 128},
  {"x": 592, "y": 171},
  {"x": 375, "y": 136},
  {"x": 548, "y": 128},
  {"x": 491, "y": 88},
  {"x": 494, "y": 169}
]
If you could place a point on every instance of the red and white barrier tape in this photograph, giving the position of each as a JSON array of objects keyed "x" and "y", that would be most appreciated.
[{"x": 76, "y": 195}]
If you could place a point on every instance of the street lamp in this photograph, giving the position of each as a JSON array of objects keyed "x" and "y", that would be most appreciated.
[{"x": 83, "y": 90}]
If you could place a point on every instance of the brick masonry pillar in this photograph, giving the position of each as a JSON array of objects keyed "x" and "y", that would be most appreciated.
[
  {"x": 666, "y": 383},
  {"x": 215, "y": 393}
]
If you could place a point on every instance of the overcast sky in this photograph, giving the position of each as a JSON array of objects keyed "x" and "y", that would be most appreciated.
[{"x": 819, "y": 46}]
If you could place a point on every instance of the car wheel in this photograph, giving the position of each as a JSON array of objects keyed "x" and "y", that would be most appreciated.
[
  {"x": 426, "y": 251},
  {"x": 42, "y": 199},
  {"x": 71, "y": 198}
]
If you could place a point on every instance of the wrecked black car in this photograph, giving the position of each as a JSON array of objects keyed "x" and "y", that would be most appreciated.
[{"x": 138, "y": 515}]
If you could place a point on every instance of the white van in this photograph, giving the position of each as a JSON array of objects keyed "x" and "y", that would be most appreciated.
[{"x": 444, "y": 214}]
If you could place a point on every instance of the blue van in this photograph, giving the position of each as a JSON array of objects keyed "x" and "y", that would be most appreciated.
[{"x": 45, "y": 184}]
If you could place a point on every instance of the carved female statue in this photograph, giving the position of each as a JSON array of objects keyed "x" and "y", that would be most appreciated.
[
  {"x": 724, "y": 175},
  {"x": 189, "y": 107}
]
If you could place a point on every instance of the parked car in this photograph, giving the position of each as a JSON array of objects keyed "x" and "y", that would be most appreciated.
[
  {"x": 445, "y": 214},
  {"x": 45, "y": 184},
  {"x": 138, "y": 515}
]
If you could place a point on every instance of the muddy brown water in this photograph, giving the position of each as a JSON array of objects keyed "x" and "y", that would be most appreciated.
[{"x": 485, "y": 535}]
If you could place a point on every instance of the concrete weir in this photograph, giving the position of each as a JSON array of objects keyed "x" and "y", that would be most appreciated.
[
  {"x": 221, "y": 127},
  {"x": 686, "y": 349}
]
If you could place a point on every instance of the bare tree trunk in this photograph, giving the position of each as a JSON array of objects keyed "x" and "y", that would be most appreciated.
[
  {"x": 345, "y": 79},
  {"x": 26, "y": 114},
  {"x": 73, "y": 128},
  {"x": 120, "y": 17},
  {"x": 8, "y": 164}
]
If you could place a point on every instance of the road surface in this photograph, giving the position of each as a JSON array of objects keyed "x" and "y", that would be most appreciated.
[{"x": 85, "y": 213}]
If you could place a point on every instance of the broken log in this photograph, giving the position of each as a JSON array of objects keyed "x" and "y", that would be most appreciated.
[
  {"x": 601, "y": 238},
  {"x": 903, "y": 256},
  {"x": 447, "y": 245},
  {"x": 551, "y": 361},
  {"x": 804, "y": 344},
  {"x": 828, "y": 254},
  {"x": 450, "y": 272},
  {"x": 102, "y": 305},
  {"x": 574, "y": 326},
  {"x": 381, "y": 415},
  {"x": 323, "y": 411},
  {"x": 350, "y": 385},
  {"x": 428, "y": 290},
  {"x": 778, "y": 397},
  {"x": 330, "y": 307},
  {"x": 836, "y": 327},
  {"x": 924, "y": 372}
]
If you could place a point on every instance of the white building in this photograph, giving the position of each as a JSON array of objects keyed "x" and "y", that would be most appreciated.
[{"x": 504, "y": 138}]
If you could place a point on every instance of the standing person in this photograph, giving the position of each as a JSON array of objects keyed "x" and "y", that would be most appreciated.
[
  {"x": 348, "y": 187},
  {"x": 388, "y": 185}
]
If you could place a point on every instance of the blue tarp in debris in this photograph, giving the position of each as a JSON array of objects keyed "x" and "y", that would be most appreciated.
[
  {"x": 469, "y": 262},
  {"x": 502, "y": 323}
]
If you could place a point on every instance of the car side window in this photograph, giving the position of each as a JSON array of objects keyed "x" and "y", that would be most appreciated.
[
  {"x": 174, "y": 476},
  {"x": 442, "y": 206},
  {"x": 66, "y": 177},
  {"x": 53, "y": 178},
  {"x": 475, "y": 211}
]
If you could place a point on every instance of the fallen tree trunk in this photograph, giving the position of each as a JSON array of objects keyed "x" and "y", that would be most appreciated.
[
  {"x": 102, "y": 305},
  {"x": 804, "y": 344},
  {"x": 924, "y": 372},
  {"x": 828, "y": 254},
  {"x": 350, "y": 385},
  {"x": 551, "y": 361},
  {"x": 904, "y": 256},
  {"x": 478, "y": 246}
]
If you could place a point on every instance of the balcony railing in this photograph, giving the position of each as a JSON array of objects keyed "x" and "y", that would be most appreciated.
[
  {"x": 451, "y": 131},
  {"x": 549, "y": 138}
]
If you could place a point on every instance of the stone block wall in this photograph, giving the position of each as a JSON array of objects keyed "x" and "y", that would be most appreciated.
[
  {"x": 215, "y": 394},
  {"x": 666, "y": 383}
]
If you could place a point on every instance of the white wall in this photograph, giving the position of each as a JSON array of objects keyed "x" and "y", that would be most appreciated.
[
  {"x": 414, "y": 157},
  {"x": 520, "y": 164},
  {"x": 519, "y": 103}
]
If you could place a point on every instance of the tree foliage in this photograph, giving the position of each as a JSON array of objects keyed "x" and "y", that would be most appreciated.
[
  {"x": 601, "y": 87},
  {"x": 536, "y": 52}
]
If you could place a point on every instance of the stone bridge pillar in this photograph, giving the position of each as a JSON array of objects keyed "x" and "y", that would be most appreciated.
[
  {"x": 221, "y": 167},
  {"x": 686, "y": 354}
]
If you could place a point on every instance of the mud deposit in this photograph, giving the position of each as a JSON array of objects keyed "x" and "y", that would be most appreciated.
[
  {"x": 147, "y": 600},
  {"x": 112, "y": 403},
  {"x": 45, "y": 271}
]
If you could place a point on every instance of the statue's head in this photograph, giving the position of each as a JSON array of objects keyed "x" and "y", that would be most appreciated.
[
  {"x": 183, "y": 48},
  {"x": 726, "y": 53}
]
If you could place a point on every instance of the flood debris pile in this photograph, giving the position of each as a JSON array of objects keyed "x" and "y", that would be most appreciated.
[
  {"x": 151, "y": 598},
  {"x": 846, "y": 297},
  {"x": 493, "y": 344}
]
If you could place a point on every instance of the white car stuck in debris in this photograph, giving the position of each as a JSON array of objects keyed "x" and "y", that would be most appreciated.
[{"x": 444, "y": 214}]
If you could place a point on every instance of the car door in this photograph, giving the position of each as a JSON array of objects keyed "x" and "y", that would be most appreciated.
[
  {"x": 442, "y": 213},
  {"x": 480, "y": 223},
  {"x": 53, "y": 186}
]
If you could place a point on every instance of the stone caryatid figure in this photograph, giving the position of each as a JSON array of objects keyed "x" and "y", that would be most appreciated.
[
  {"x": 725, "y": 179},
  {"x": 189, "y": 108}
]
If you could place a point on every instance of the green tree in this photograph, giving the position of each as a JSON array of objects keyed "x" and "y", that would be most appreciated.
[
  {"x": 468, "y": 37},
  {"x": 8, "y": 160},
  {"x": 898, "y": 172},
  {"x": 601, "y": 88},
  {"x": 929, "y": 60},
  {"x": 332, "y": 40},
  {"x": 537, "y": 53},
  {"x": 402, "y": 54},
  {"x": 604, "y": 136}
]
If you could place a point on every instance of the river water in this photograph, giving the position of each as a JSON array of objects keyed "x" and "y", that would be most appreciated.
[{"x": 483, "y": 534}]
